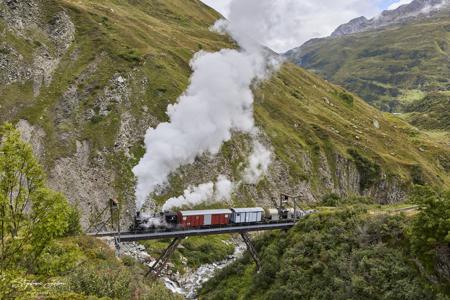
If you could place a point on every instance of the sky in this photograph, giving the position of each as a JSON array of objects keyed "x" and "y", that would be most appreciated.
[{"x": 294, "y": 22}]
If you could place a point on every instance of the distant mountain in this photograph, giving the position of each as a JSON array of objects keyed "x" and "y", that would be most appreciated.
[
  {"x": 389, "y": 61},
  {"x": 414, "y": 10}
]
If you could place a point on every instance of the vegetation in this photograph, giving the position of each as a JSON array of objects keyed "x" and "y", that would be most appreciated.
[
  {"x": 31, "y": 215},
  {"x": 430, "y": 231},
  {"x": 349, "y": 253}
]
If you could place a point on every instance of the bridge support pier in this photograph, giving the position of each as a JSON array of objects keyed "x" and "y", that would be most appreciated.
[
  {"x": 251, "y": 249},
  {"x": 159, "y": 264}
]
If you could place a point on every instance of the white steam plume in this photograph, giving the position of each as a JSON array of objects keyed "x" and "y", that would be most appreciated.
[
  {"x": 259, "y": 163},
  {"x": 218, "y": 101},
  {"x": 221, "y": 190}
]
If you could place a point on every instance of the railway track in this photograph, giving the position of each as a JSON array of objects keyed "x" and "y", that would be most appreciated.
[{"x": 179, "y": 233}]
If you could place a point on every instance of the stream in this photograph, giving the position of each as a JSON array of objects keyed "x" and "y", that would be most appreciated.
[{"x": 187, "y": 284}]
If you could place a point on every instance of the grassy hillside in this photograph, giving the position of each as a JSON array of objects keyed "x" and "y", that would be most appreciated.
[
  {"x": 386, "y": 67},
  {"x": 351, "y": 252},
  {"x": 90, "y": 98}
]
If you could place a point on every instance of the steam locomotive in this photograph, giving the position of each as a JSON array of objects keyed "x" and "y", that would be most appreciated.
[{"x": 185, "y": 219}]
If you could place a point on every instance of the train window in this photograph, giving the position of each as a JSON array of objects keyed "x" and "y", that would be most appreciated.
[
  {"x": 184, "y": 218},
  {"x": 226, "y": 216},
  {"x": 238, "y": 214}
]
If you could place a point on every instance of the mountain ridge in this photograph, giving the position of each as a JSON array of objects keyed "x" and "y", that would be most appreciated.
[{"x": 415, "y": 9}]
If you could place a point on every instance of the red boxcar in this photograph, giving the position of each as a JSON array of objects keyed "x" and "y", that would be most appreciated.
[{"x": 199, "y": 218}]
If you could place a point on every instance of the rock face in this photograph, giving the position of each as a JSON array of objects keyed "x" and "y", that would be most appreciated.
[{"x": 416, "y": 9}]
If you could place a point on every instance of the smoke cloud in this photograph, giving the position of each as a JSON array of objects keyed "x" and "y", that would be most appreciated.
[
  {"x": 259, "y": 163},
  {"x": 221, "y": 190},
  {"x": 218, "y": 102}
]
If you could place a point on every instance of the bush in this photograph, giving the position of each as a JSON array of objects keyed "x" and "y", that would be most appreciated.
[
  {"x": 101, "y": 280},
  {"x": 346, "y": 97},
  {"x": 331, "y": 200},
  {"x": 74, "y": 226},
  {"x": 431, "y": 228},
  {"x": 57, "y": 259}
]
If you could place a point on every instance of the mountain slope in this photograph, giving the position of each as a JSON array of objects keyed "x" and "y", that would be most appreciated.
[
  {"x": 83, "y": 80},
  {"x": 388, "y": 66}
]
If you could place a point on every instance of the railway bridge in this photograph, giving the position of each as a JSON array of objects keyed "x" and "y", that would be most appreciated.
[{"x": 177, "y": 235}]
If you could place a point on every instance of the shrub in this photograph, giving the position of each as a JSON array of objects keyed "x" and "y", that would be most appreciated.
[
  {"x": 101, "y": 280},
  {"x": 74, "y": 226},
  {"x": 431, "y": 228},
  {"x": 346, "y": 97},
  {"x": 331, "y": 200}
]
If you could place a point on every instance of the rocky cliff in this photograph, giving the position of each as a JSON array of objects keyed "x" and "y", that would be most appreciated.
[{"x": 83, "y": 80}]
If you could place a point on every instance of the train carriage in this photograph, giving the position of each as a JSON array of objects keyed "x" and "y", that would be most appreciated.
[
  {"x": 199, "y": 218},
  {"x": 247, "y": 215}
]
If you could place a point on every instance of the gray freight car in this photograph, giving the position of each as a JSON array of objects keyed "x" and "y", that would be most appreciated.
[{"x": 247, "y": 215}]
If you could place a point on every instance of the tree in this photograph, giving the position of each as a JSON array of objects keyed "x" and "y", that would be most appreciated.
[
  {"x": 31, "y": 215},
  {"x": 431, "y": 228}
]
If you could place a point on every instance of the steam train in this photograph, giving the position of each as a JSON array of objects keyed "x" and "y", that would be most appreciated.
[{"x": 186, "y": 219}]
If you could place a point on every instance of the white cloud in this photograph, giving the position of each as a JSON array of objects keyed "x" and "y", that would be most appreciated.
[
  {"x": 284, "y": 24},
  {"x": 399, "y": 3}
]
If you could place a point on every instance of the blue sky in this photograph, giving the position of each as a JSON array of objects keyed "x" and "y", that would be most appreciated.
[{"x": 386, "y": 3}]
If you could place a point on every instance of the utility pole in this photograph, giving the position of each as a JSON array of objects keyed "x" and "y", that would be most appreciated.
[{"x": 115, "y": 218}]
